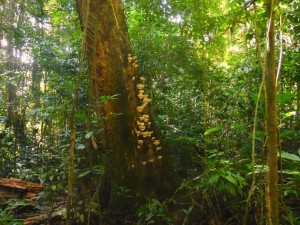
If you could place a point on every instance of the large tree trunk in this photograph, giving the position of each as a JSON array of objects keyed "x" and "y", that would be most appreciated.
[
  {"x": 113, "y": 72},
  {"x": 271, "y": 117}
]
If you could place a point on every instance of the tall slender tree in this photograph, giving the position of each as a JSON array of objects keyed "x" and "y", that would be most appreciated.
[{"x": 271, "y": 120}]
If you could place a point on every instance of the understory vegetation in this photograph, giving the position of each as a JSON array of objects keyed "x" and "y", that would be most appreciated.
[{"x": 203, "y": 62}]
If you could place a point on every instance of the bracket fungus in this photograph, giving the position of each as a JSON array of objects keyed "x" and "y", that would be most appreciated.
[
  {"x": 140, "y": 108},
  {"x": 142, "y": 127},
  {"x": 140, "y": 96},
  {"x": 158, "y": 148},
  {"x": 140, "y": 123},
  {"x": 148, "y": 133},
  {"x": 146, "y": 116},
  {"x": 146, "y": 100},
  {"x": 156, "y": 142},
  {"x": 129, "y": 58},
  {"x": 140, "y": 86},
  {"x": 151, "y": 160}
]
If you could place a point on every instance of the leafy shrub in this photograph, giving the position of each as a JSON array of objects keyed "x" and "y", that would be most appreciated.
[{"x": 154, "y": 212}]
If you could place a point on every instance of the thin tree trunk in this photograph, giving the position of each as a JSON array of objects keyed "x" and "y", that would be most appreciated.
[
  {"x": 297, "y": 124},
  {"x": 71, "y": 166},
  {"x": 271, "y": 118},
  {"x": 11, "y": 88}
]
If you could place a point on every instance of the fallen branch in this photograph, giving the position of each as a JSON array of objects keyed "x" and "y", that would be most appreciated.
[{"x": 18, "y": 189}]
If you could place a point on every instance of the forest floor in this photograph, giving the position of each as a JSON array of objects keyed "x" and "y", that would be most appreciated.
[{"x": 21, "y": 200}]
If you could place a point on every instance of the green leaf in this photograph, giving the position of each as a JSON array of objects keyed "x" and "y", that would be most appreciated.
[
  {"x": 212, "y": 130},
  {"x": 83, "y": 174},
  {"x": 149, "y": 216},
  {"x": 241, "y": 180},
  {"x": 80, "y": 146},
  {"x": 291, "y": 172},
  {"x": 255, "y": 97},
  {"x": 108, "y": 98},
  {"x": 287, "y": 134},
  {"x": 88, "y": 135},
  {"x": 284, "y": 97},
  {"x": 259, "y": 133},
  {"x": 239, "y": 127},
  {"x": 289, "y": 114},
  {"x": 289, "y": 156},
  {"x": 82, "y": 218},
  {"x": 53, "y": 187},
  {"x": 99, "y": 169},
  {"x": 230, "y": 179},
  {"x": 80, "y": 116},
  {"x": 260, "y": 169},
  {"x": 214, "y": 179}
]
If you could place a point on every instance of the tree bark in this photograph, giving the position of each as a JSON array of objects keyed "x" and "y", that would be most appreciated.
[
  {"x": 112, "y": 71},
  {"x": 271, "y": 118}
]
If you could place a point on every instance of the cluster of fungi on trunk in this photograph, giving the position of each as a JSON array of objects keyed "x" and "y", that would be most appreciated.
[{"x": 147, "y": 145}]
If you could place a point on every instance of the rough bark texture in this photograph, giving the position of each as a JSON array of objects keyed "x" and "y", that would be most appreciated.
[
  {"x": 271, "y": 117},
  {"x": 113, "y": 71}
]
